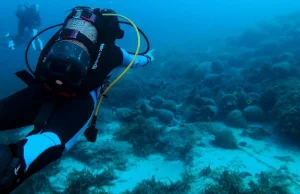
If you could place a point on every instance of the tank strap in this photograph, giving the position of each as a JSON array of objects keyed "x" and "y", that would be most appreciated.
[
  {"x": 87, "y": 15},
  {"x": 69, "y": 34},
  {"x": 43, "y": 116}
]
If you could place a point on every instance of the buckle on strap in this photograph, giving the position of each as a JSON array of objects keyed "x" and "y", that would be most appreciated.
[
  {"x": 88, "y": 16},
  {"x": 84, "y": 14}
]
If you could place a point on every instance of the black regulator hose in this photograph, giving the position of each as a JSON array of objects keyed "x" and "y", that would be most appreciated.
[
  {"x": 143, "y": 34},
  {"x": 57, "y": 25}
]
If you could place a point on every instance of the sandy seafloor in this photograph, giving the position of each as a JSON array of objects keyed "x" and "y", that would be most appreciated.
[{"x": 258, "y": 156}]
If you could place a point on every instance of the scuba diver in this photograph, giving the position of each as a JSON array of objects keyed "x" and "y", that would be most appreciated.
[
  {"x": 62, "y": 97},
  {"x": 29, "y": 21}
]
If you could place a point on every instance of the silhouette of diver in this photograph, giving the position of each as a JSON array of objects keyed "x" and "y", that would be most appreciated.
[{"x": 29, "y": 21}]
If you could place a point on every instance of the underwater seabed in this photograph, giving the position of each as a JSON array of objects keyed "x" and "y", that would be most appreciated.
[{"x": 250, "y": 163}]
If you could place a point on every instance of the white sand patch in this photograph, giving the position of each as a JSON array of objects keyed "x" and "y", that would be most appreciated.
[
  {"x": 142, "y": 169},
  {"x": 67, "y": 165},
  {"x": 258, "y": 156}
]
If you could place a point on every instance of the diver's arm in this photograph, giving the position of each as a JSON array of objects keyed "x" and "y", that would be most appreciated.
[{"x": 140, "y": 61}]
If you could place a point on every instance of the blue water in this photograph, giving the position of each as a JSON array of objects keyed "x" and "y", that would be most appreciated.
[
  {"x": 165, "y": 23},
  {"x": 185, "y": 27}
]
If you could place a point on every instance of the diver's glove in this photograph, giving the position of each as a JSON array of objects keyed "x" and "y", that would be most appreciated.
[
  {"x": 34, "y": 32},
  {"x": 11, "y": 45},
  {"x": 150, "y": 56}
]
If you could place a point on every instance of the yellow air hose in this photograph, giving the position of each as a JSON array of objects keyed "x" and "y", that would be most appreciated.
[{"x": 129, "y": 66}]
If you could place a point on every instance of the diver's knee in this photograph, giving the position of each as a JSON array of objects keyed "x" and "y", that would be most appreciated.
[
  {"x": 33, "y": 45},
  {"x": 41, "y": 46},
  {"x": 22, "y": 159},
  {"x": 41, "y": 145},
  {"x": 37, "y": 44}
]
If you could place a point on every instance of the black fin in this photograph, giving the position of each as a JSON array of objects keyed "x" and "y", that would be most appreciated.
[{"x": 26, "y": 77}]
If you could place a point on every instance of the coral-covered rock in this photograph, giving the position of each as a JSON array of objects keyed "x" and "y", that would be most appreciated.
[
  {"x": 268, "y": 100},
  {"x": 199, "y": 72},
  {"x": 211, "y": 80},
  {"x": 191, "y": 113},
  {"x": 142, "y": 134},
  {"x": 156, "y": 102},
  {"x": 202, "y": 101},
  {"x": 189, "y": 99},
  {"x": 204, "y": 113},
  {"x": 254, "y": 114},
  {"x": 225, "y": 139},
  {"x": 240, "y": 95},
  {"x": 236, "y": 119},
  {"x": 289, "y": 57},
  {"x": 207, "y": 113},
  {"x": 147, "y": 110},
  {"x": 217, "y": 66},
  {"x": 164, "y": 115},
  {"x": 176, "y": 144},
  {"x": 170, "y": 105},
  {"x": 286, "y": 111},
  {"x": 125, "y": 114},
  {"x": 269, "y": 47},
  {"x": 206, "y": 92},
  {"x": 228, "y": 101},
  {"x": 252, "y": 98},
  {"x": 281, "y": 69}
]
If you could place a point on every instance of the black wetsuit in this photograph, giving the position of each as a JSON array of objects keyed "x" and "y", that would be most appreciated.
[
  {"x": 68, "y": 121},
  {"x": 30, "y": 19}
]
